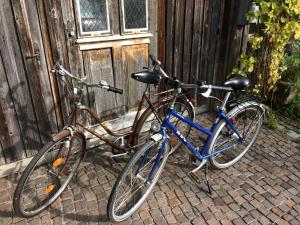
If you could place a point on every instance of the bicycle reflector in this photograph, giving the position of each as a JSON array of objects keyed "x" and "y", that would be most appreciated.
[
  {"x": 50, "y": 188},
  {"x": 155, "y": 126},
  {"x": 57, "y": 162}
]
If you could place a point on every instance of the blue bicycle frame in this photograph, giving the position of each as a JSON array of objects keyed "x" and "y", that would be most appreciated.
[{"x": 203, "y": 154}]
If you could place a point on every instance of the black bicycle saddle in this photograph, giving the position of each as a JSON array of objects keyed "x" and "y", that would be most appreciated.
[
  {"x": 238, "y": 83},
  {"x": 147, "y": 77}
]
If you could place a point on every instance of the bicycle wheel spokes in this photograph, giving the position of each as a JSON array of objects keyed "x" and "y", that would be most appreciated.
[
  {"x": 49, "y": 174},
  {"x": 247, "y": 122},
  {"x": 134, "y": 184}
]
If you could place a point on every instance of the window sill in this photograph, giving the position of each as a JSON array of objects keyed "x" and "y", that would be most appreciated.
[{"x": 85, "y": 40}]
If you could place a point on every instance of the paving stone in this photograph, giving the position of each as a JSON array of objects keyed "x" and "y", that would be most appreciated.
[{"x": 262, "y": 189}]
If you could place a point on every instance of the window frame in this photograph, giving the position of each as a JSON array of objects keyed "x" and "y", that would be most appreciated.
[
  {"x": 135, "y": 30},
  {"x": 82, "y": 33}
]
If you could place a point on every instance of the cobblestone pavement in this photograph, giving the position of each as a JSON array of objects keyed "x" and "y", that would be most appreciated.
[{"x": 263, "y": 188}]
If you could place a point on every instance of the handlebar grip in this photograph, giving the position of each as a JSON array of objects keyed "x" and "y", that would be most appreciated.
[{"x": 115, "y": 90}]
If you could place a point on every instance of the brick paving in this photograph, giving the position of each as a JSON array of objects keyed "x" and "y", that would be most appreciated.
[{"x": 263, "y": 188}]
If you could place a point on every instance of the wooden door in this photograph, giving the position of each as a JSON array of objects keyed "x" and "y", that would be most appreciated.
[
  {"x": 27, "y": 111},
  {"x": 103, "y": 45}
]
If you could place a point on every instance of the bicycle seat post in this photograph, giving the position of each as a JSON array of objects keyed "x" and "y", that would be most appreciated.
[
  {"x": 178, "y": 91},
  {"x": 222, "y": 107}
]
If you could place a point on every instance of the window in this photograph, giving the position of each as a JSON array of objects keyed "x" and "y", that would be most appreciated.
[
  {"x": 93, "y": 16},
  {"x": 135, "y": 15},
  {"x": 111, "y": 17}
]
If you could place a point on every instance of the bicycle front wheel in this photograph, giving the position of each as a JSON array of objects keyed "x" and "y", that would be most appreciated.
[
  {"x": 48, "y": 174},
  {"x": 247, "y": 121},
  {"x": 133, "y": 185}
]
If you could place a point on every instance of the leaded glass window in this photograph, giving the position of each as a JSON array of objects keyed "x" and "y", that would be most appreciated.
[
  {"x": 135, "y": 15},
  {"x": 93, "y": 16}
]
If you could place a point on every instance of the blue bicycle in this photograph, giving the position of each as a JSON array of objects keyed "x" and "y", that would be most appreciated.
[{"x": 230, "y": 137}]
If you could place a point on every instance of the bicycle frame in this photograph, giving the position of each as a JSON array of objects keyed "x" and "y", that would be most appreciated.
[
  {"x": 203, "y": 154},
  {"x": 80, "y": 108}
]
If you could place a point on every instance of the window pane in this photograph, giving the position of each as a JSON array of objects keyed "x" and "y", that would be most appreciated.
[
  {"x": 93, "y": 15},
  {"x": 135, "y": 14}
]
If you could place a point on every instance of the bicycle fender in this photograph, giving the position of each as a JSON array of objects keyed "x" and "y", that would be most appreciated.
[
  {"x": 233, "y": 111},
  {"x": 156, "y": 137},
  {"x": 61, "y": 135}
]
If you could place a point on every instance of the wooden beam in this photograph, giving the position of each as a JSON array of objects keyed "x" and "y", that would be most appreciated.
[
  {"x": 112, "y": 38},
  {"x": 113, "y": 44}
]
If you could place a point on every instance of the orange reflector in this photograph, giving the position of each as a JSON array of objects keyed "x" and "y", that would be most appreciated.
[
  {"x": 173, "y": 142},
  {"x": 50, "y": 188},
  {"x": 57, "y": 162}
]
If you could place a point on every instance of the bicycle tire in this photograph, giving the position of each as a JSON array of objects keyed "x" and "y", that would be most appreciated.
[
  {"x": 229, "y": 154},
  {"x": 123, "y": 175},
  {"x": 188, "y": 111},
  {"x": 60, "y": 164}
]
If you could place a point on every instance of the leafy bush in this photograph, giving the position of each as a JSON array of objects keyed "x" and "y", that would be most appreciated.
[
  {"x": 278, "y": 24},
  {"x": 292, "y": 63},
  {"x": 272, "y": 121},
  {"x": 292, "y": 110}
]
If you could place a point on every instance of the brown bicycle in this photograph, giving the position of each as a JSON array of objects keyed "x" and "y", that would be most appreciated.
[{"x": 52, "y": 168}]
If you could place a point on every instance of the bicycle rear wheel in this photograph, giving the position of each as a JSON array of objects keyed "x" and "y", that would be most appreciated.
[
  {"x": 48, "y": 174},
  {"x": 132, "y": 186},
  {"x": 247, "y": 121}
]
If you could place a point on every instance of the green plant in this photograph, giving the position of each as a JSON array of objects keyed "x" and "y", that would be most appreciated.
[
  {"x": 278, "y": 25},
  {"x": 272, "y": 121},
  {"x": 292, "y": 63},
  {"x": 292, "y": 110}
]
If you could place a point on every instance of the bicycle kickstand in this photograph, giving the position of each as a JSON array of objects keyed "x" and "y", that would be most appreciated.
[
  {"x": 206, "y": 179},
  {"x": 196, "y": 178}
]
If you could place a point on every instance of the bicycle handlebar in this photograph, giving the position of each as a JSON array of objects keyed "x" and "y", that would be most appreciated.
[
  {"x": 177, "y": 84},
  {"x": 115, "y": 90},
  {"x": 102, "y": 84}
]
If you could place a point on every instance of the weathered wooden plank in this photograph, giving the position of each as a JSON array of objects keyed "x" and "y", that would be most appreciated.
[
  {"x": 178, "y": 38},
  {"x": 188, "y": 36},
  {"x": 244, "y": 38},
  {"x": 113, "y": 44},
  {"x": 214, "y": 38},
  {"x": 114, "y": 11},
  {"x": 31, "y": 43},
  {"x": 49, "y": 60},
  {"x": 120, "y": 79},
  {"x": 54, "y": 16},
  {"x": 74, "y": 53},
  {"x": 232, "y": 32},
  {"x": 219, "y": 74},
  {"x": 116, "y": 37},
  {"x": 2, "y": 158},
  {"x": 10, "y": 135},
  {"x": 98, "y": 66},
  {"x": 14, "y": 67},
  {"x": 197, "y": 40},
  {"x": 206, "y": 35},
  {"x": 153, "y": 23},
  {"x": 170, "y": 36},
  {"x": 134, "y": 58},
  {"x": 161, "y": 27}
]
